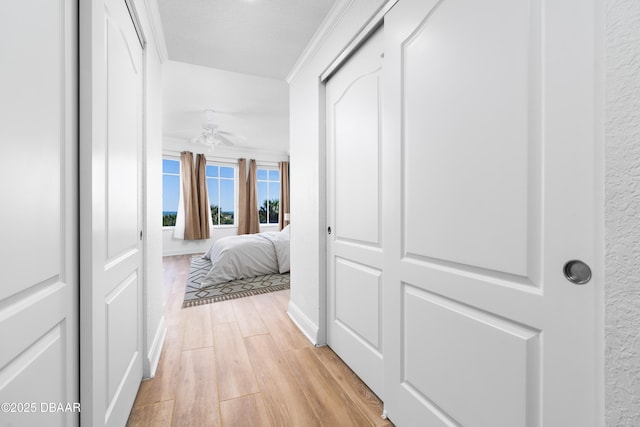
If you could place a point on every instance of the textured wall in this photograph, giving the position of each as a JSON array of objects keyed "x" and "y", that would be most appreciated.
[{"x": 622, "y": 213}]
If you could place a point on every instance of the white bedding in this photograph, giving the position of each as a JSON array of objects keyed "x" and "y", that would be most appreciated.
[{"x": 248, "y": 255}]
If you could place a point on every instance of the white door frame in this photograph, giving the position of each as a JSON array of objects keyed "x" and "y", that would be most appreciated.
[{"x": 92, "y": 131}]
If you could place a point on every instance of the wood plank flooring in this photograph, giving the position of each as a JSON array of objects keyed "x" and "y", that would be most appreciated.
[{"x": 244, "y": 363}]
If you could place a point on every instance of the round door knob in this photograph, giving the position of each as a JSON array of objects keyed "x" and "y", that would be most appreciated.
[{"x": 577, "y": 272}]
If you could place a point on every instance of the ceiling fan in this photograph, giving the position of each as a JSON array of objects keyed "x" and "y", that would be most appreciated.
[{"x": 211, "y": 135}]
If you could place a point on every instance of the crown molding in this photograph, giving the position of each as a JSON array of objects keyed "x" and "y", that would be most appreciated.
[
  {"x": 155, "y": 22},
  {"x": 173, "y": 146},
  {"x": 332, "y": 19},
  {"x": 375, "y": 22}
]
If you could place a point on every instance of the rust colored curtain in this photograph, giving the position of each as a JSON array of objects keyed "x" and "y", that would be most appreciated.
[
  {"x": 204, "y": 211},
  {"x": 189, "y": 196},
  {"x": 253, "y": 220},
  {"x": 243, "y": 224},
  {"x": 284, "y": 192},
  {"x": 193, "y": 217}
]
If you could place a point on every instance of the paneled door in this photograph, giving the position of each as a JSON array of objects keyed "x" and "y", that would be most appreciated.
[
  {"x": 39, "y": 190},
  {"x": 114, "y": 247},
  {"x": 354, "y": 213},
  {"x": 491, "y": 138}
]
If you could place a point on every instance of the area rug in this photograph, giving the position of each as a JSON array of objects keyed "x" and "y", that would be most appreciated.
[{"x": 194, "y": 295}]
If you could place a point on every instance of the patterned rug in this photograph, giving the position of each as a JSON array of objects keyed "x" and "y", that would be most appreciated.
[{"x": 194, "y": 295}]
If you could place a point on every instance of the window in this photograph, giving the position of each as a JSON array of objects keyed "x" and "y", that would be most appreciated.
[
  {"x": 268, "y": 195},
  {"x": 221, "y": 184},
  {"x": 170, "y": 191}
]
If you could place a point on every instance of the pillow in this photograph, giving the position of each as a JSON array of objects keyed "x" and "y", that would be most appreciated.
[{"x": 286, "y": 230}]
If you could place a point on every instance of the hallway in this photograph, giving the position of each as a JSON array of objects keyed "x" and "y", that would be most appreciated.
[{"x": 243, "y": 362}]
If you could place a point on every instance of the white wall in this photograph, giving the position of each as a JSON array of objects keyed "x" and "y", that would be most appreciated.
[
  {"x": 622, "y": 214},
  {"x": 307, "y": 166}
]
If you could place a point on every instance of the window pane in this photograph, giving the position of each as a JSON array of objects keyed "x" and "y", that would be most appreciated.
[
  {"x": 262, "y": 202},
  {"x": 262, "y": 193},
  {"x": 274, "y": 175},
  {"x": 170, "y": 199},
  {"x": 227, "y": 203},
  {"x": 212, "y": 187},
  {"x": 274, "y": 202},
  {"x": 170, "y": 193},
  {"x": 262, "y": 174},
  {"x": 212, "y": 171},
  {"x": 274, "y": 191},
  {"x": 226, "y": 172},
  {"x": 170, "y": 166},
  {"x": 274, "y": 207}
]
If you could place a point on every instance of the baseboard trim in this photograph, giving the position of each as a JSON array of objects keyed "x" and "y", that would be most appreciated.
[
  {"x": 156, "y": 347},
  {"x": 306, "y": 326}
]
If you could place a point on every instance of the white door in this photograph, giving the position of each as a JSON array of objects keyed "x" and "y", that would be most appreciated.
[
  {"x": 354, "y": 213},
  {"x": 491, "y": 126},
  {"x": 39, "y": 191},
  {"x": 112, "y": 245}
]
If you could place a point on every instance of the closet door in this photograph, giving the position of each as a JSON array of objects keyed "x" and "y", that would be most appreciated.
[
  {"x": 112, "y": 213},
  {"x": 39, "y": 188},
  {"x": 355, "y": 247},
  {"x": 491, "y": 135}
]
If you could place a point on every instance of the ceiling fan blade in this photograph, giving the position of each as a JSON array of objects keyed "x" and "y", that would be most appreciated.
[
  {"x": 232, "y": 135},
  {"x": 224, "y": 140},
  {"x": 222, "y": 132}
]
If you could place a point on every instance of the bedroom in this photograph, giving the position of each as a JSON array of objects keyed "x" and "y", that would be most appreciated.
[{"x": 42, "y": 320}]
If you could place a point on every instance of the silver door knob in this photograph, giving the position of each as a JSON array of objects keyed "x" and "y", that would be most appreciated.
[{"x": 577, "y": 272}]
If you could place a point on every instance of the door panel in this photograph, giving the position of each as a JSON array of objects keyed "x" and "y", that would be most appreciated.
[
  {"x": 508, "y": 352},
  {"x": 39, "y": 250},
  {"x": 490, "y": 187},
  {"x": 354, "y": 199},
  {"x": 124, "y": 61},
  {"x": 363, "y": 290},
  {"x": 122, "y": 262},
  {"x": 357, "y": 218},
  {"x": 478, "y": 89},
  {"x": 122, "y": 348},
  {"x": 111, "y": 207}
]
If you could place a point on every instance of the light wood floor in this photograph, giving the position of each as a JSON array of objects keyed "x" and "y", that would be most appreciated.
[{"x": 244, "y": 363}]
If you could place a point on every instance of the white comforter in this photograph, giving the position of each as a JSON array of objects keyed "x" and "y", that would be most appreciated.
[{"x": 248, "y": 255}]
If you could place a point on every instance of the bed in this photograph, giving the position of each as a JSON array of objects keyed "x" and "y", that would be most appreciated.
[{"x": 247, "y": 255}]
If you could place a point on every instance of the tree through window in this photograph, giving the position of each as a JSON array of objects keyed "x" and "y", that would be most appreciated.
[
  {"x": 221, "y": 183},
  {"x": 170, "y": 191},
  {"x": 268, "y": 195}
]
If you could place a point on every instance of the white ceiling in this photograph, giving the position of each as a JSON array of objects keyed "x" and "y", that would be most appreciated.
[
  {"x": 258, "y": 37},
  {"x": 255, "y": 109}
]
